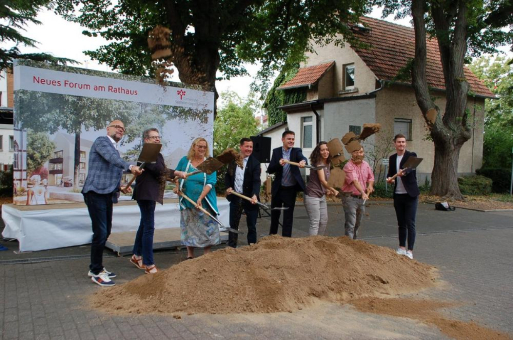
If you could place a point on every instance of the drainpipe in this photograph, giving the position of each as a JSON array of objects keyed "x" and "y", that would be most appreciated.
[{"x": 317, "y": 125}]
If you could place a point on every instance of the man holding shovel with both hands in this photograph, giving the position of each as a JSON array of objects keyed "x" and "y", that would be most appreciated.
[
  {"x": 245, "y": 181},
  {"x": 406, "y": 193},
  {"x": 359, "y": 184}
]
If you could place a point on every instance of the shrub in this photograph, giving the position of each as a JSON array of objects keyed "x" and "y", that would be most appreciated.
[
  {"x": 501, "y": 178},
  {"x": 381, "y": 190},
  {"x": 475, "y": 185}
]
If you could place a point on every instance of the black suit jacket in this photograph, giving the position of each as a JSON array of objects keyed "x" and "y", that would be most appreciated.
[
  {"x": 296, "y": 155},
  {"x": 148, "y": 184},
  {"x": 251, "y": 183},
  {"x": 410, "y": 179}
]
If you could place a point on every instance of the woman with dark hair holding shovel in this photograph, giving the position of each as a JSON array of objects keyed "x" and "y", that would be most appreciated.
[
  {"x": 198, "y": 230},
  {"x": 317, "y": 188}
]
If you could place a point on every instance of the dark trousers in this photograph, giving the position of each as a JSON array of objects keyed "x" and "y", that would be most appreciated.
[
  {"x": 285, "y": 196},
  {"x": 143, "y": 245},
  {"x": 405, "y": 210},
  {"x": 236, "y": 207},
  {"x": 100, "y": 211}
]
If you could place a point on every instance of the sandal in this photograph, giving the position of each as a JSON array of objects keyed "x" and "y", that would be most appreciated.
[
  {"x": 151, "y": 269},
  {"x": 189, "y": 257},
  {"x": 137, "y": 262}
]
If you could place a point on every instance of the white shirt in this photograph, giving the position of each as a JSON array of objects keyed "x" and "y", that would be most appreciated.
[
  {"x": 239, "y": 176},
  {"x": 399, "y": 189},
  {"x": 113, "y": 142}
]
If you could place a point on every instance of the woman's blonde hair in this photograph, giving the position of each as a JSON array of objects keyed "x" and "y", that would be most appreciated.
[{"x": 190, "y": 154}]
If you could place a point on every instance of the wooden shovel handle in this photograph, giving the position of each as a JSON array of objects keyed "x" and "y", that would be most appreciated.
[
  {"x": 129, "y": 184},
  {"x": 292, "y": 163},
  {"x": 240, "y": 195},
  {"x": 192, "y": 202}
]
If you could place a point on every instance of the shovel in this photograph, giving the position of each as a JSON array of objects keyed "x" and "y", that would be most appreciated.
[
  {"x": 411, "y": 163},
  {"x": 212, "y": 164},
  {"x": 224, "y": 228},
  {"x": 307, "y": 166},
  {"x": 260, "y": 204}
]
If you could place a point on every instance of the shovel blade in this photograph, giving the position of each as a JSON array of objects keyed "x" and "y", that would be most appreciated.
[{"x": 230, "y": 230}]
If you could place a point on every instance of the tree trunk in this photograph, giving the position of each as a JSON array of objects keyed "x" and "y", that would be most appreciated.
[
  {"x": 448, "y": 130},
  {"x": 76, "y": 174}
]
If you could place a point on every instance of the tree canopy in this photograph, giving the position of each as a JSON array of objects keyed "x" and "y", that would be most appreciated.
[
  {"x": 497, "y": 74},
  {"x": 211, "y": 36},
  {"x": 14, "y": 15}
]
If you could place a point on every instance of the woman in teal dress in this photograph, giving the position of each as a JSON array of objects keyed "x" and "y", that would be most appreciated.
[{"x": 198, "y": 230}]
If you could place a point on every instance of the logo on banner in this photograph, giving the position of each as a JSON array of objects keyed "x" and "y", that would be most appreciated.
[{"x": 181, "y": 93}]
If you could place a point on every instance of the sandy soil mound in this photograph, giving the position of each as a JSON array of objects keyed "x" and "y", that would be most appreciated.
[{"x": 277, "y": 274}]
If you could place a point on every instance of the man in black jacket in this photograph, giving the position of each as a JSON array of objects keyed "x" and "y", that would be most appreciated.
[
  {"x": 287, "y": 182},
  {"x": 149, "y": 188},
  {"x": 406, "y": 193},
  {"x": 245, "y": 181}
]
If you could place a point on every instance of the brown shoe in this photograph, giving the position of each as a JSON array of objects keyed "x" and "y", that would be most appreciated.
[
  {"x": 151, "y": 269},
  {"x": 137, "y": 262}
]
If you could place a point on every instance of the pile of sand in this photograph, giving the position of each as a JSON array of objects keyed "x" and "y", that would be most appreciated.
[{"x": 277, "y": 274}]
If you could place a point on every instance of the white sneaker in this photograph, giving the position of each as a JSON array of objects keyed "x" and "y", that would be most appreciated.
[
  {"x": 409, "y": 254},
  {"x": 102, "y": 279},
  {"x": 401, "y": 251}
]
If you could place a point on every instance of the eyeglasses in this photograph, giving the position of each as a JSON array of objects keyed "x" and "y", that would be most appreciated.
[
  {"x": 118, "y": 127},
  {"x": 154, "y": 137}
]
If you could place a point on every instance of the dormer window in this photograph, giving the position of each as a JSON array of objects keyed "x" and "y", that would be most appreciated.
[{"x": 348, "y": 77}]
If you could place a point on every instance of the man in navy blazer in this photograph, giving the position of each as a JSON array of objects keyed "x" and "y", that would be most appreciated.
[
  {"x": 245, "y": 181},
  {"x": 287, "y": 182},
  {"x": 101, "y": 190},
  {"x": 406, "y": 193}
]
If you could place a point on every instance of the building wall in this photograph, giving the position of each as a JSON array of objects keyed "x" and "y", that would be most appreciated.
[
  {"x": 6, "y": 153},
  {"x": 399, "y": 102},
  {"x": 3, "y": 89},
  {"x": 10, "y": 89},
  {"x": 365, "y": 80}
]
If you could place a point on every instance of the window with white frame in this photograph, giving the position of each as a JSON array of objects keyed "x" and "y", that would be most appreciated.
[
  {"x": 307, "y": 135},
  {"x": 349, "y": 77},
  {"x": 1, "y": 143},
  {"x": 403, "y": 126},
  {"x": 11, "y": 143}
]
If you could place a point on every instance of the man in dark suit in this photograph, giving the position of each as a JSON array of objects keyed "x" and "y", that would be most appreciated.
[
  {"x": 287, "y": 182},
  {"x": 245, "y": 181},
  {"x": 406, "y": 193},
  {"x": 101, "y": 190},
  {"x": 149, "y": 189}
]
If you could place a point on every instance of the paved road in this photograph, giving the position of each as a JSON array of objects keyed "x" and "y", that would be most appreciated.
[{"x": 43, "y": 295}]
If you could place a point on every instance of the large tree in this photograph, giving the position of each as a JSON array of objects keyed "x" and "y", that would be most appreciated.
[
  {"x": 461, "y": 30},
  {"x": 14, "y": 15},
  {"x": 211, "y": 35}
]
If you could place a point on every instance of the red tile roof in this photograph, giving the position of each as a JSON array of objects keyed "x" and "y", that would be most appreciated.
[
  {"x": 393, "y": 45},
  {"x": 307, "y": 76}
]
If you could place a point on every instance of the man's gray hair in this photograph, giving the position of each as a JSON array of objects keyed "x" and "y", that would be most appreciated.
[{"x": 146, "y": 133}]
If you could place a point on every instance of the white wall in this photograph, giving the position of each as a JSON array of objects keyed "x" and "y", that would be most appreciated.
[
  {"x": 3, "y": 88},
  {"x": 6, "y": 155}
]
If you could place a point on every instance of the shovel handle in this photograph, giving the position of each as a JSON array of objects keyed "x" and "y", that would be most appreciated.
[
  {"x": 192, "y": 202},
  {"x": 397, "y": 174},
  {"x": 291, "y": 163},
  {"x": 248, "y": 199}
]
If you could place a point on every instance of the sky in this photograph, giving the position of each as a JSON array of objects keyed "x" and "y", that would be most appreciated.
[{"x": 65, "y": 39}]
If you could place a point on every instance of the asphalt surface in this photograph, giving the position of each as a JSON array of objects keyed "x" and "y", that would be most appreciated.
[{"x": 43, "y": 295}]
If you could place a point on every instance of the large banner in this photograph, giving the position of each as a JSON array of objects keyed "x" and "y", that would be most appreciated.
[{"x": 60, "y": 111}]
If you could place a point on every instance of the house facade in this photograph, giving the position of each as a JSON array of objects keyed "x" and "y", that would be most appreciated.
[
  {"x": 6, "y": 120},
  {"x": 347, "y": 87}
]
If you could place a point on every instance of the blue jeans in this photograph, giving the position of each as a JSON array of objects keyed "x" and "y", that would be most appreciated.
[
  {"x": 143, "y": 245},
  {"x": 100, "y": 211},
  {"x": 406, "y": 210}
]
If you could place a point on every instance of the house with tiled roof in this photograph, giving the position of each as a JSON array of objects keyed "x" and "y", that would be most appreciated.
[{"x": 348, "y": 86}]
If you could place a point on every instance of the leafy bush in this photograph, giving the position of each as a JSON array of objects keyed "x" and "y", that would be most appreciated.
[
  {"x": 475, "y": 185},
  {"x": 501, "y": 178},
  {"x": 381, "y": 190},
  {"x": 6, "y": 183}
]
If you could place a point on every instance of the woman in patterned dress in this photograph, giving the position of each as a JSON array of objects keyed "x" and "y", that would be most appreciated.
[{"x": 198, "y": 230}]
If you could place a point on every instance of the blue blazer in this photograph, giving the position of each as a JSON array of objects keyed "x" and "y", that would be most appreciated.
[
  {"x": 296, "y": 155},
  {"x": 105, "y": 168},
  {"x": 410, "y": 179}
]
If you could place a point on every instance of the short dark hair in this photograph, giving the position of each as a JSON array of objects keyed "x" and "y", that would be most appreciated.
[
  {"x": 244, "y": 140},
  {"x": 287, "y": 132},
  {"x": 399, "y": 135},
  {"x": 146, "y": 133}
]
